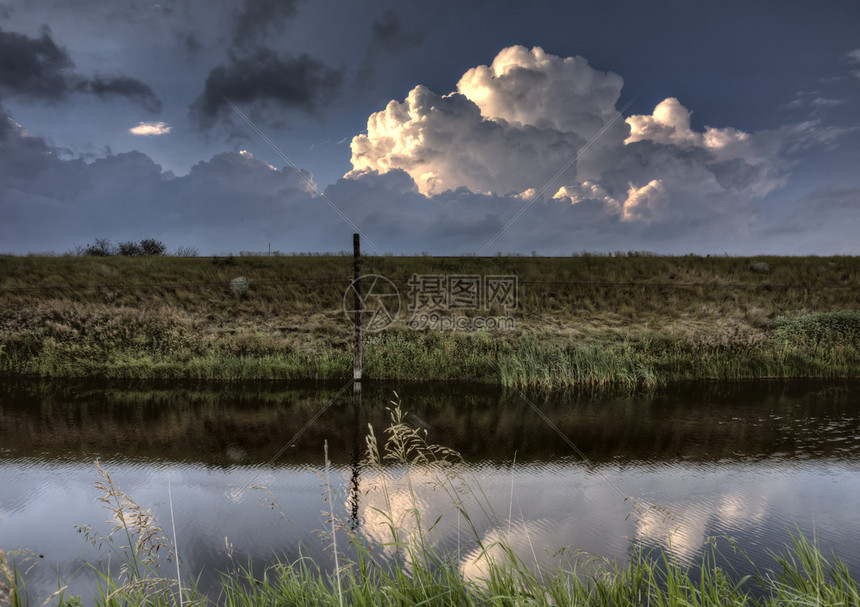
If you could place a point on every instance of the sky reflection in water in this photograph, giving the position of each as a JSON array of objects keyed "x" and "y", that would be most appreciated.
[{"x": 750, "y": 462}]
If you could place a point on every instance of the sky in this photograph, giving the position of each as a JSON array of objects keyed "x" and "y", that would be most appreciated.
[{"x": 448, "y": 128}]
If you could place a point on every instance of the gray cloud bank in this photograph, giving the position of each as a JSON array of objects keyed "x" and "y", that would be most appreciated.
[
  {"x": 389, "y": 40},
  {"x": 37, "y": 68},
  {"x": 268, "y": 80},
  {"x": 445, "y": 173},
  {"x": 259, "y": 18}
]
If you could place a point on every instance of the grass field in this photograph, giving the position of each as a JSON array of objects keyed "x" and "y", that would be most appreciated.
[{"x": 624, "y": 320}]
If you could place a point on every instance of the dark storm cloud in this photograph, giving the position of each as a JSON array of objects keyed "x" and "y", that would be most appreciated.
[
  {"x": 5, "y": 123},
  {"x": 389, "y": 38},
  {"x": 190, "y": 43},
  {"x": 33, "y": 67},
  {"x": 388, "y": 34},
  {"x": 38, "y": 68},
  {"x": 5, "y": 11},
  {"x": 122, "y": 86},
  {"x": 268, "y": 78},
  {"x": 258, "y": 18}
]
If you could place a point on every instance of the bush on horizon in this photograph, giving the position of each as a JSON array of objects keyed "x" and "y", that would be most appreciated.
[{"x": 103, "y": 247}]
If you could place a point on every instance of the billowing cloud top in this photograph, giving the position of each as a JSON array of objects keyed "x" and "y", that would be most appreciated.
[
  {"x": 531, "y": 87},
  {"x": 511, "y": 126},
  {"x": 670, "y": 124}
]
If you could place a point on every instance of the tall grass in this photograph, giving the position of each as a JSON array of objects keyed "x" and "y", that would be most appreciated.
[
  {"x": 404, "y": 566},
  {"x": 140, "y": 348},
  {"x": 541, "y": 364}
]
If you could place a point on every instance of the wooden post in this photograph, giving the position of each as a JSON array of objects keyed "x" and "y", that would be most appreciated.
[
  {"x": 356, "y": 266},
  {"x": 356, "y": 379}
]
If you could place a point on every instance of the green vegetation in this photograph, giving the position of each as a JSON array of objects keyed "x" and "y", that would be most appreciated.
[
  {"x": 627, "y": 320},
  {"x": 407, "y": 568}
]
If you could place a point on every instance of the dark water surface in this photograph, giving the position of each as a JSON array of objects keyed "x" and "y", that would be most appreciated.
[{"x": 750, "y": 461}]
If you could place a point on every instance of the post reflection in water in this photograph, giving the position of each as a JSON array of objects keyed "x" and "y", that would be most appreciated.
[
  {"x": 749, "y": 461},
  {"x": 357, "y": 448}
]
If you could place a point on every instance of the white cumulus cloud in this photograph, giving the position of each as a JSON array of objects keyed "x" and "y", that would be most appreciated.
[
  {"x": 512, "y": 125},
  {"x": 479, "y": 153},
  {"x": 670, "y": 124},
  {"x": 148, "y": 129},
  {"x": 646, "y": 203},
  {"x": 531, "y": 87},
  {"x": 509, "y": 126}
]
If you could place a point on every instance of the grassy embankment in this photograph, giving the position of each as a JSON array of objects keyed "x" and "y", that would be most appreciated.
[
  {"x": 626, "y": 320},
  {"x": 408, "y": 568}
]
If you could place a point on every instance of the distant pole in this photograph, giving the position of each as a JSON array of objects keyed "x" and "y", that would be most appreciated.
[{"x": 356, "y": 266}]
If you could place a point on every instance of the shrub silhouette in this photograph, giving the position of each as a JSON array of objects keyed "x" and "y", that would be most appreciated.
[
  {"x": 130, "y": 249},
  {"x": 153, "y": 247},
  {"x": 103, "y": 247}
]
